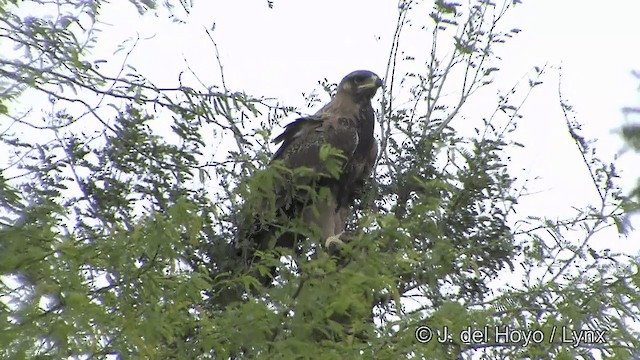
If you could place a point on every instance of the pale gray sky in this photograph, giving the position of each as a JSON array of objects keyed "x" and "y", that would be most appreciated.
[{"x": 284, "y": 51}]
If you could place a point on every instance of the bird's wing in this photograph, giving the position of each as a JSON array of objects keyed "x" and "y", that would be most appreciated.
[
  {"x": 370, "y": 161},
  {"x": 303, "y": 138}
]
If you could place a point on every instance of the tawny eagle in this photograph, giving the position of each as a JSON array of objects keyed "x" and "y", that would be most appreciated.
[{"x": 345, "y": 125}]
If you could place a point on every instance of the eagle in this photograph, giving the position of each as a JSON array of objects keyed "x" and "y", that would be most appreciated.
[{"x": 337, "y": 148}]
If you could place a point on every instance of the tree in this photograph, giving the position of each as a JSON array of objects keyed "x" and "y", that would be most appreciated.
[
  {"x": 113, "y": 243},
  {"x": 631, "y": 134}
]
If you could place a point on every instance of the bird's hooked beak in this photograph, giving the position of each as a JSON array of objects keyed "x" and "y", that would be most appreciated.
[{"x": 372, "y": 82}]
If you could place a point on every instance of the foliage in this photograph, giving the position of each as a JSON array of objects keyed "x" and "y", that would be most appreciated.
[
  {"x": 117, "y": 238},
  {"x": 631, "y": 134}
]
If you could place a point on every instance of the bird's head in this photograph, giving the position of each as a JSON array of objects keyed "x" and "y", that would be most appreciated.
[{"x": 361, "y": 85}]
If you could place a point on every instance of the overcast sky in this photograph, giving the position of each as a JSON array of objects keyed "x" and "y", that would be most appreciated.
[{"x": 284, "y": 51}]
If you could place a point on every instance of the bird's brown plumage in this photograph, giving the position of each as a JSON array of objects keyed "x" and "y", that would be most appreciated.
[{"x": 346, "y": 124}]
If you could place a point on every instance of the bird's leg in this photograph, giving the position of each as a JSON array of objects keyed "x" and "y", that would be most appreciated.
[
  {"x": 335, "y": 239},
  {"x": 339, "y": 218}
]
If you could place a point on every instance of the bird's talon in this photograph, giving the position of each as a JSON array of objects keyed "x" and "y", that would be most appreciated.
[{"x": 335, "y": 239}]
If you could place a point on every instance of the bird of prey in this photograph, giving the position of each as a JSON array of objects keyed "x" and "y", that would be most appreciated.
[{"x": 337, "y": 145}]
